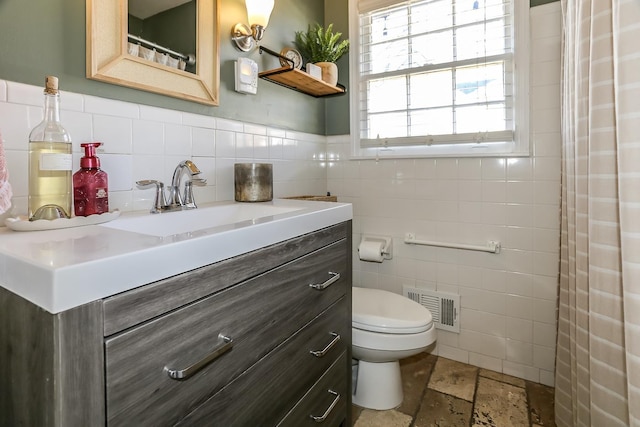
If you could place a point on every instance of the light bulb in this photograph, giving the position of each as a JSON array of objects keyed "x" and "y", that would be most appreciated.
[{"x": 259, "y": 12}]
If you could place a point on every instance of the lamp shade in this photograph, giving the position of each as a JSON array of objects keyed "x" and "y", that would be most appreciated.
[{"x": 259, "y": 11}]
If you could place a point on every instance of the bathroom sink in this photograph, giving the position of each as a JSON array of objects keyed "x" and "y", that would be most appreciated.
[{"x": 188, "y": 221}]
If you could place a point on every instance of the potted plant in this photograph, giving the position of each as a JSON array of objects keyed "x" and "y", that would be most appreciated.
[{"x": 323, "y": 48}]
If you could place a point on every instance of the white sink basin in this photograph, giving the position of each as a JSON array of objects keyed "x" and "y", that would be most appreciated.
[
  {"x": 202, "y": 218},
  {"x": 50, "y": 268}
]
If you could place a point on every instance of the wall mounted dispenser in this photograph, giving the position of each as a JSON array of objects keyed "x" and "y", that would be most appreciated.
[{"x": 246, "y": 71}]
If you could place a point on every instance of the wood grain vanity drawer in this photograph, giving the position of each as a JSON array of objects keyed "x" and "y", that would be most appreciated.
[
  {"x": 131, "y": 308},
  {"x": 264, "y": 394},
  {"x": 325, "y": 404},
  {"x": 258, "y": 315}
]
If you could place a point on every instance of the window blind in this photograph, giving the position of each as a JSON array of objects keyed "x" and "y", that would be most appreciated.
[{"x": 435, "y": 72}]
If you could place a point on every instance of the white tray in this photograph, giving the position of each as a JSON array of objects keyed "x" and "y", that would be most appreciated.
[{"x": 22, "y": 223}]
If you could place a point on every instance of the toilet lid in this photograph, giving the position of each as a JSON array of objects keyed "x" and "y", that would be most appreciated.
[{"x": 382, "y": 311}]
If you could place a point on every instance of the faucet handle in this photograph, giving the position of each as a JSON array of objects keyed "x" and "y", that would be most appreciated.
[
  {"x": 159, "y": 203},
  {"x": 188, "y": 199},
  {"x": 198, "y": 181}
]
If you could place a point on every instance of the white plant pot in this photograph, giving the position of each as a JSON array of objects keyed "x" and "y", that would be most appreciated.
[{"x": 329, "y": 72}]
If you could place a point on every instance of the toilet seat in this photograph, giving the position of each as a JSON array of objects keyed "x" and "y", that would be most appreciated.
[{"x": 376, "y": 310}]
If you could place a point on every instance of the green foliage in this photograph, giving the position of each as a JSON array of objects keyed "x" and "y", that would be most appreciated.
[{"x": 320, "y": 45}]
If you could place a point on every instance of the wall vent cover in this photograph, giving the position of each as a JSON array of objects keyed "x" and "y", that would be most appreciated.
[{"x": 444, "y": 307}]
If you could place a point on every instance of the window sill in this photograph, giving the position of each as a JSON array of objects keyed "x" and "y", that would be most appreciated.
[{"x": 458, "y": 150}]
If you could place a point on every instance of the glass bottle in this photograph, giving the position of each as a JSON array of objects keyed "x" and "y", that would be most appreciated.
[{"x": 50, "y": 158}]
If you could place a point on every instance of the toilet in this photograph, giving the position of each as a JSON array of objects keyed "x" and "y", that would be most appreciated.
[{"x": 386, "y": 327}]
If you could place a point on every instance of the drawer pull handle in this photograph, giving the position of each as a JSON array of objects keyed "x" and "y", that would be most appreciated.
[
  {"x": 321, "y": 353},
  {"x": 320, "y": 286},
  {"x": 329, "y": 409},
  {"x": 183, "y": 374}
]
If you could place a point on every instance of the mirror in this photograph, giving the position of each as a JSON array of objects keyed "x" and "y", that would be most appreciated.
[
  {"x": 109, "y": 60},
  {"x": 163, "y": 32}
]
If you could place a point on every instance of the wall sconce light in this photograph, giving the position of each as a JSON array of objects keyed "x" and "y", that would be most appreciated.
[{"x": 258, "y": 12}]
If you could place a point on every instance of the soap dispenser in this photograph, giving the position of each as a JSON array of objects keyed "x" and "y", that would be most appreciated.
[{"x": 90, "y": 188}]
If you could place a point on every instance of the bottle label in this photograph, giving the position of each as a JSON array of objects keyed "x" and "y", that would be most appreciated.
[{"x": 56, "y": 162}]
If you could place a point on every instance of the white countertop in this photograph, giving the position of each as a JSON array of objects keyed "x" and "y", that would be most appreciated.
[{"x": 61, "y": 269}]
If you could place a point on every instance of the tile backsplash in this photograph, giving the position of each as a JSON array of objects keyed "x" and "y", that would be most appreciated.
[
  {"x": 508, "y": 301},
  {"x": 142, "y": 142}
]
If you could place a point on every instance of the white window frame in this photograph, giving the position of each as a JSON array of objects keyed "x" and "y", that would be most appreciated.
[{"x": 520, "y": 145}]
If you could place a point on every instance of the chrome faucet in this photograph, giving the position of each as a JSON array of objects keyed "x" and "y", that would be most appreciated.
[
  {"x": 186, "y": 200},
  {"x": 176, "y": 201}
]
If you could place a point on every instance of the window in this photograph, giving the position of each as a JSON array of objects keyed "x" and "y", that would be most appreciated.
[{"x": 437, "y": 78}]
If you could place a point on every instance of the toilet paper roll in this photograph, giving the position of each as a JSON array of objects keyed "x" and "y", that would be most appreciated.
[{"x": 371, "y": 250}]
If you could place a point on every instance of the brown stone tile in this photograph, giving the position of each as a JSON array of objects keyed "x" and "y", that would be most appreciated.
[
  {"x": 499, "y": 404},
  {"x": 415, "y": 374},
  {"x": 518, "y": 382},
  {"x": 541, "y": 404},
  {"x": 439, "y": 409},
  {"x": 392, "y": 418},
  {"x": 454, "y": 378}
]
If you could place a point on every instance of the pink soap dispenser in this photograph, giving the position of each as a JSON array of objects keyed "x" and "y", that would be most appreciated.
[{"x": 90, "y": 188}]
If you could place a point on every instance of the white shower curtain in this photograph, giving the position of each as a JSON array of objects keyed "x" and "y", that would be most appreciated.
[{"x": 598, "y": 351}]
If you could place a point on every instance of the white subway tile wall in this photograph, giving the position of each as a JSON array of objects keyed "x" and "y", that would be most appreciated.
[
  {"x": 143, "y": 142},
  {"x": 508, "y": 301}
]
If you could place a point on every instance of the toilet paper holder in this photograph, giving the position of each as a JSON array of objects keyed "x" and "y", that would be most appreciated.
[{"x": 387, "y": 248}]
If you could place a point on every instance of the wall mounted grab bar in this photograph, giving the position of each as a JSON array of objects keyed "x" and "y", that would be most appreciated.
[{"x": 492, "y": 246}]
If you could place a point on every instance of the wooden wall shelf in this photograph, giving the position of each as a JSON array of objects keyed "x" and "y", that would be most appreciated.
[{"x": 298, "y": 80}]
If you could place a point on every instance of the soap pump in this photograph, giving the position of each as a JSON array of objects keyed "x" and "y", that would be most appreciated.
[{"x": 90, "y": 187}]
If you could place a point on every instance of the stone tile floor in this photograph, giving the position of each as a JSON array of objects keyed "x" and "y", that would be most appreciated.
[{"x": 441, "y": 392}]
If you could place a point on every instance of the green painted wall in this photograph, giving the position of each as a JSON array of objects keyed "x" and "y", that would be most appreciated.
[
  {"x": 336, "y": 12},
  {"x": 52, "y": 41},
  {"x": 40, "y": 37}
]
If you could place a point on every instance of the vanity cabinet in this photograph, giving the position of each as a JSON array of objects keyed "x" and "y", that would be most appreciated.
[{"x": 263, "y": 338}]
